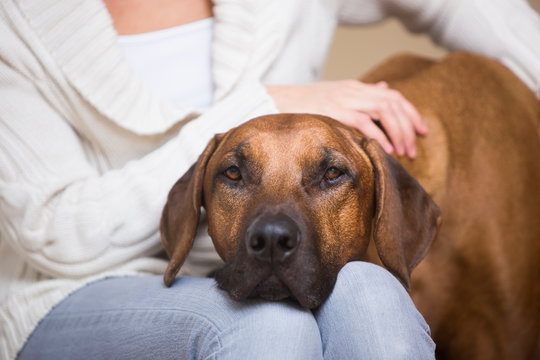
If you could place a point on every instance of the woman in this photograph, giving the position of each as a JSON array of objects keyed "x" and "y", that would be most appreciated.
[{"x": 104, "y": 105}]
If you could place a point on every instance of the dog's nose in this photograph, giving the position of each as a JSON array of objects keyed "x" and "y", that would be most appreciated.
[{"x": 272, "y": 238}]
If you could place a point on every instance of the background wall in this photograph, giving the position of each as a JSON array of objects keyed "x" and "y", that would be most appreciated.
[{"x": 348, "y": 60}]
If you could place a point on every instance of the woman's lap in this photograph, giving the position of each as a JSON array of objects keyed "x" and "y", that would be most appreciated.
[
  {"x": 370, "y": 313},
  {"x": 138, "y": 317}
]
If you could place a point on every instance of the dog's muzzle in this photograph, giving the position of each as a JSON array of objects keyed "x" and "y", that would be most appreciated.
[
  {"x": 274, "y": 262},
  {"x": 272, "y": 239}
]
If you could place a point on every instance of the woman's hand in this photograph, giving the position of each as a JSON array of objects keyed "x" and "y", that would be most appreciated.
[{"x": 357, "y": 104}]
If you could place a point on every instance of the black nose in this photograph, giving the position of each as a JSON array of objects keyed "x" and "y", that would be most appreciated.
[{"x": 272, "y": 238}]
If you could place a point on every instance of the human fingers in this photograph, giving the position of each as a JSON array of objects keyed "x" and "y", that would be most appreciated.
[
  {"x": 412, "y": 113},
  {"x": 406, "y": 130},
  {"x": 383, "y": 90},
  {"x": 366, "y": 126},
  {"x": 396, "y": 114},
  {"x": 390, "y": 121}
]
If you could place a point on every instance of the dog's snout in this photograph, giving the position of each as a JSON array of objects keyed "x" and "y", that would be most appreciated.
[{"x": 272, "y": 238}]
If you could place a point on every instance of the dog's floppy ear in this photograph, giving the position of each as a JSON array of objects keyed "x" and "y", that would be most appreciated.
[
  {"x": 180, "y": 216},
  {"x": 406, "y": 218}
]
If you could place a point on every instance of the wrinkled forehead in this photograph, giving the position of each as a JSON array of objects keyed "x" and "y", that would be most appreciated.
[{"x": 283, "y": 139}]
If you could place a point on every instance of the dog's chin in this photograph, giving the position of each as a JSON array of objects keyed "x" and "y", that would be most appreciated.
[
  {"x": 241, "y": 282},
  {"x": 263, "y": 285},
  {"x": 271, "y": 288}
]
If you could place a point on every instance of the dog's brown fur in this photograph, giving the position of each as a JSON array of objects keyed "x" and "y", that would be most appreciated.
[{"x": 478, "y": 288}]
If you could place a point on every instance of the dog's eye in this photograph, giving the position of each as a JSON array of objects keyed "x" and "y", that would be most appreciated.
[
  {"x": 332, "y": 174},
  {"x": 233, "y": 173}
]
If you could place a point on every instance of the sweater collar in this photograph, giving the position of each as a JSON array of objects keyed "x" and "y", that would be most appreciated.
[{"x": 80, "y": 37}]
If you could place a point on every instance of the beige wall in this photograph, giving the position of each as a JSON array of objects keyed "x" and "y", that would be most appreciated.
[{"x": 346, "y": 60}]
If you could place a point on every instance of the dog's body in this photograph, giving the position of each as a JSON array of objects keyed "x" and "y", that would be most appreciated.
[
  {"x": 291, "y": 198},
  {"x": 479, "y": 286}
]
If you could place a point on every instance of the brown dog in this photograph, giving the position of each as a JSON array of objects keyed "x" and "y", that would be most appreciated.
[{"x": 291, "y": 198}]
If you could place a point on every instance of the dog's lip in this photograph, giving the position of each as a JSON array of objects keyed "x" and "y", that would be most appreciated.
[{"x": 271, "y": 288}]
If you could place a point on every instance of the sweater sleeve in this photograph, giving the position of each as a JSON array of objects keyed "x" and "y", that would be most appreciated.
[
  {"x": 63, "y": 216},
  {"x": 506, "y": 30}
]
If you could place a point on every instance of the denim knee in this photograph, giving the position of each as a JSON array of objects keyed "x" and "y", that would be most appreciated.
[
  {"x": 370, "y": 315},
  {"x": 371, "y": 279},
  {"x": 271, "y": 330}
]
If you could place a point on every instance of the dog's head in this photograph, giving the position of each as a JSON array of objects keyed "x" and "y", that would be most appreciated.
[{"x": 290, "y": 199}]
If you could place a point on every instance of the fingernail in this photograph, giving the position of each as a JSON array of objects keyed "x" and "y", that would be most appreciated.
[
  {"x": 388, "y": 148},
  {"x": 423, "y": 127}
]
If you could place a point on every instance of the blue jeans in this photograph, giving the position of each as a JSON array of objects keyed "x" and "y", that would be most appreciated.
[{"x": 368, "y": 316}]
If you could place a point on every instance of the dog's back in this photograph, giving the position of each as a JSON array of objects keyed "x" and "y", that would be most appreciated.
[{"x": 479, "y": 286}]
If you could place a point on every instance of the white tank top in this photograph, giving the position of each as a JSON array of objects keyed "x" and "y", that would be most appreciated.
[{"x": 175, "y": 63}]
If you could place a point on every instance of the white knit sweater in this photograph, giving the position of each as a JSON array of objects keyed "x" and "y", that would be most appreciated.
[{"x": 88, "y": 153}]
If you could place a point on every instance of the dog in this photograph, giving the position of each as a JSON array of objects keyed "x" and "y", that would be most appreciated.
[{"x": 291, "y": 198}]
